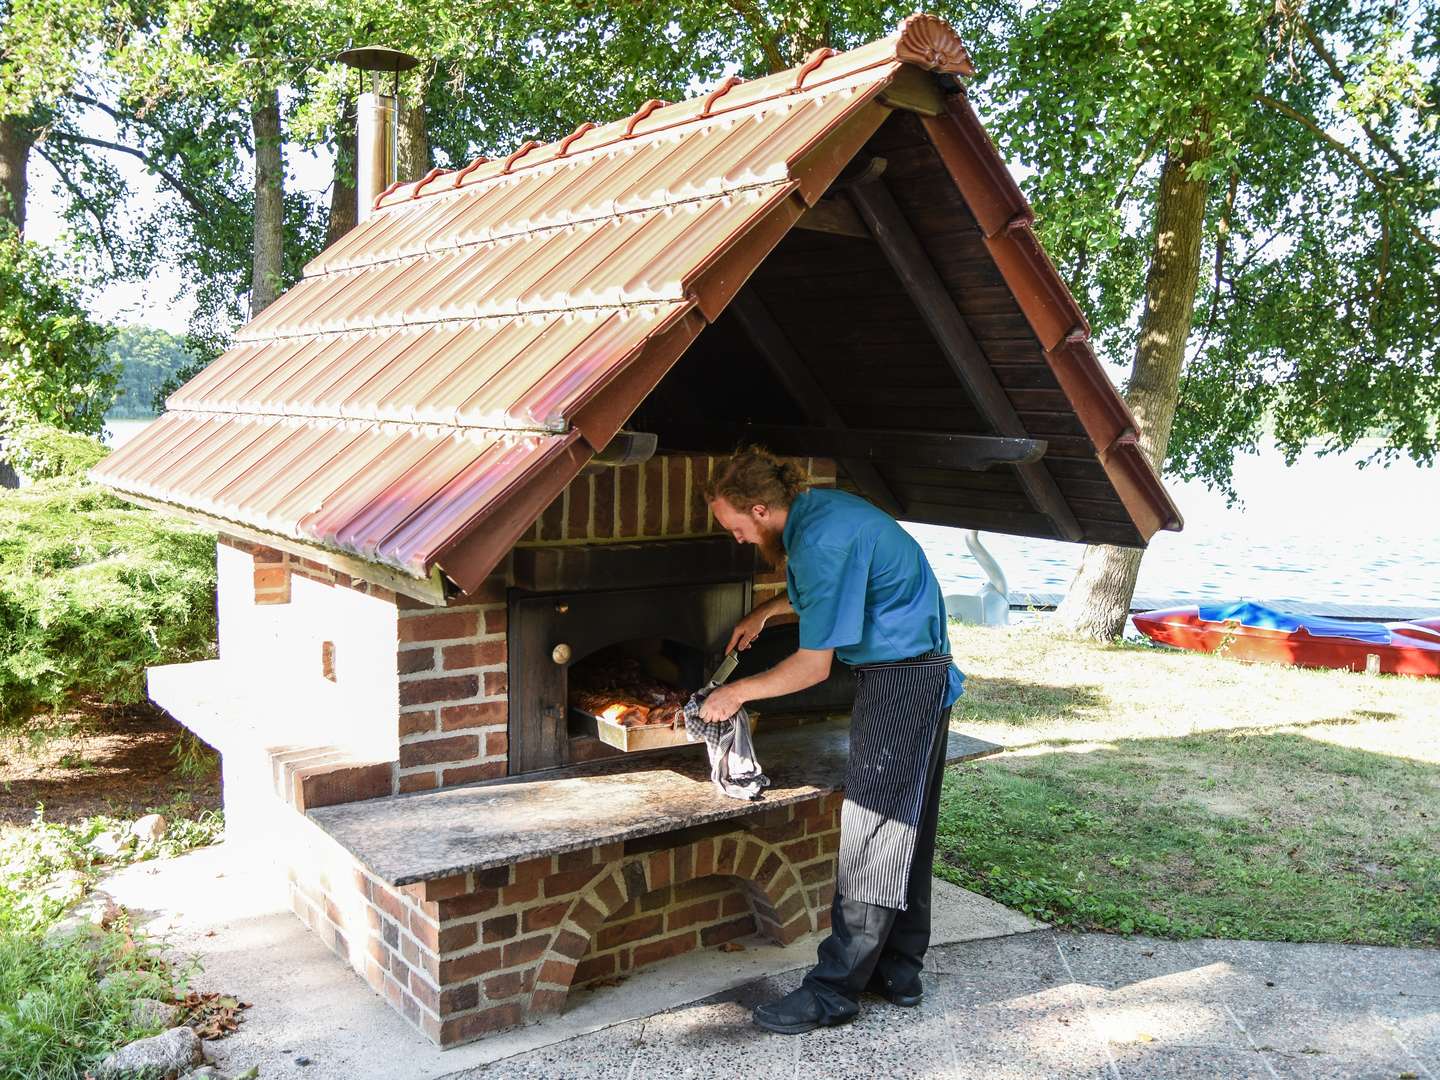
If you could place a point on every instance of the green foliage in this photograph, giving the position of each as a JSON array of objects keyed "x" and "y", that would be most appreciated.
[
  {"x": 55, "y": 1020},
  {"x": 91, "y": 593},
  {"x": 147, "y": 358},
  {"x": 54, "y": 370},
  {"x": 1319, "y": 135},
  {"x": 42, "y": 452}
]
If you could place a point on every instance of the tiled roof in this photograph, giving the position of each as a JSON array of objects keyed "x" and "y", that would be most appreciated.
[{"x": 446, "y": 367}]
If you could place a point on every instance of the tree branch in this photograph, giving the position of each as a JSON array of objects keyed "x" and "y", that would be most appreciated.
[
  {"x": 180, "y": 187},
  {"x": 1349, "y": 155},
  {"x": 747, "y": 11},
  {"x": 85, "y": 201},
  {"x": 1339, "y": 76},
  {"x": 1140, "y": 161}
]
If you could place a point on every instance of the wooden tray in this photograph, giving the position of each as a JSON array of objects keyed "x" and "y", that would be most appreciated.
[{"x": 646, "y": 736}]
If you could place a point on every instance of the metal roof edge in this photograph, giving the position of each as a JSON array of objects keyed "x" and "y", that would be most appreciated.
[{"x": 429, "y": 589}]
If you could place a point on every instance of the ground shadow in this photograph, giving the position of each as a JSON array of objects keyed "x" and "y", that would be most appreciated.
[{"x": 1019, "y": 702}]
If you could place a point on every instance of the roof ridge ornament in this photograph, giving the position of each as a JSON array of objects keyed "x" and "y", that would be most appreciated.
[
  {"x": 564, "y": 148},
  {"x": 731, "y": 81},
  {"x": 813, "y": 61},
  {"x": 933, "y": 44},
  {"x": 641, "y": 113}
]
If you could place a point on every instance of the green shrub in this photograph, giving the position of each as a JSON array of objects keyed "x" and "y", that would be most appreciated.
[
  {"x": 42, "y": 452},
  {"x": 92, "y": 591}
]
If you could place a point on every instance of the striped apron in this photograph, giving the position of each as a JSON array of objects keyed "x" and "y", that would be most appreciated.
[{"x": 899, "y": 713}]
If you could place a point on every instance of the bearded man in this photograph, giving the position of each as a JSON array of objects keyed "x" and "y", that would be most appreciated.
[{"x": 865, "y": 594}]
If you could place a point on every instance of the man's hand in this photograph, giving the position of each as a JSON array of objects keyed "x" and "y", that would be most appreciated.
[
  {"x": 748, "y": 629},
  {"x": 722, "y": 703}
]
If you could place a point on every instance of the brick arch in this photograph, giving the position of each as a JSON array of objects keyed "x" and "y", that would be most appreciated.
[{"x": 764, "y": 872}]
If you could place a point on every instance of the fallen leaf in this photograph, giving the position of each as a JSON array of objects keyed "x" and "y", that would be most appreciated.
[{"x": 731, "y": 946}]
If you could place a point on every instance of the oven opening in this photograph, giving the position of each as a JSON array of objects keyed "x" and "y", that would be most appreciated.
[{"x": 630, "y": 694}]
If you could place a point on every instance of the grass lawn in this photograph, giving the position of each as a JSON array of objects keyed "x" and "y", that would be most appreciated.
[{"x": 1188, "y": 795}]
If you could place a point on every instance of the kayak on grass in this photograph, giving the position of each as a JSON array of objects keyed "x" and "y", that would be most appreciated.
[{"x": 1250, "y": 631}]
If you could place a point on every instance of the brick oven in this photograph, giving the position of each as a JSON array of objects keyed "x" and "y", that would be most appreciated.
[{"x": 464, "y": 457}]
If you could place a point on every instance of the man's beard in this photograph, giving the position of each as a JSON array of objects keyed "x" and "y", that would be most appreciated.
[{"x": 771, "y": 545}]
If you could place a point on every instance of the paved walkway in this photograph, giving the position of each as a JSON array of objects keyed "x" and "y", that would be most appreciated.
[{"x": 1046, "y": 1004}]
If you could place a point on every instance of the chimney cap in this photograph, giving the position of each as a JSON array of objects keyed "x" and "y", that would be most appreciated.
[{"x": 377, "y": 58}]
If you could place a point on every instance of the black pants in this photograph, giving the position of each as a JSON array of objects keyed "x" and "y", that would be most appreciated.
[{"x": 868, "y": 942}]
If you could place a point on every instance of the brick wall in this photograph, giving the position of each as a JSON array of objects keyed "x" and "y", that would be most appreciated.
[{"x": 474, "y": 953}]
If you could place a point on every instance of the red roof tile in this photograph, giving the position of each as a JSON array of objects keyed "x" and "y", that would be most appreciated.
[{"x": 488, "y": 328}]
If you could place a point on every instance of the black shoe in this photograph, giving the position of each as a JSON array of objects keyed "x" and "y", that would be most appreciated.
[
  {"x": 906, "y": 997},
  {"x": 796, "y": 1013}
]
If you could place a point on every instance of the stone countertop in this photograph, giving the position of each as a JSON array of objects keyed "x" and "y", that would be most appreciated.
[{"x": 408, "y": 838}]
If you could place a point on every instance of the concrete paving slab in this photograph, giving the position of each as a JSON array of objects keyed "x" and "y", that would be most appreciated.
[
  {"x": 1190, "y": 1063},
  {"x": 1352, "y": 1067},
  {"x": 1330, "y": 969},
  {"x": 885, "y": 1040},
  {"x": 1033, "y": 954},
  {"x": 1414, "y": 1023},
  {"x": 1302, "y": 1024},
  {"x": 1043, "y": 1034},
  {"x": 1104, "y": 960}
]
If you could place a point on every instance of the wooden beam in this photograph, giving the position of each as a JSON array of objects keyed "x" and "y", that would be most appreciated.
[
  {"x": 834, "y": 216},
  {"x": 919, "y": 449},
  {"x": 917, "y": 273},
  {"x": 914, "y": 91},
  {"x": 767, "y": 337}
]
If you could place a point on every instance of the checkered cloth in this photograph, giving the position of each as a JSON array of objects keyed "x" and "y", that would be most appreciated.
[{"x": 733, "y": 767}]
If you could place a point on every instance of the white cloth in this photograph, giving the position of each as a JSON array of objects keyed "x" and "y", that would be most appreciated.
[{"x": 734, "y": 769}]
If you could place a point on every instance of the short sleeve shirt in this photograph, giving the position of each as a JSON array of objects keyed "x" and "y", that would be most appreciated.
[{"x": 861, "y": 585}]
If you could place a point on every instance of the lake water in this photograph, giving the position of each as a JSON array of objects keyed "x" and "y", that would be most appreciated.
[{"x": 1323, "y": 531}]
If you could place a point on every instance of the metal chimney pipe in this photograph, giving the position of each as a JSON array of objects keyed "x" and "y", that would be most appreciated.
[
  {"x": 377, "y": 122},
  {"x": 375, "y": 156}
]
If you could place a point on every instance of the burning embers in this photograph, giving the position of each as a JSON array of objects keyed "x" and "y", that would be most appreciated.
[{"x": 623, "y": 690}]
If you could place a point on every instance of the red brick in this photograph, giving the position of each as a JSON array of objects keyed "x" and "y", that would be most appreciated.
[
  {"x": 556, "y": 972},
  {"x": 459, "y": 936},
  {"x": 614, "y": 934},
  {"x": 609, "y": 893},
  {"x": 271, "y": 578},
  {"x": 494, "y": 877},
  {"x": 424, "y": 993},
  {"x": 568, "y": 881},
  {"x": 830, "y": 843},
  {"x": 439, "y": 626},
  {"x": 547, "y": 1001},
  {"x": 501, "y": 928},
  {"x": 545, "y": 916},
  {"x": 604, "y": 498},
  {"x": 570, "y": 944},
  {"x": 726, "y": 931},
  {"x": 586, "y": 915},
  {"x": 654, "y": 497},
  {"x": 506, "y": 984},
  {"x": 418, "y": 782},
  {"x": 663, "y": 949},
  {"x": 463, "y": 1028},
  {"x": 594, "y": 967},
  {"x": 817, "y": 871},
  {"x": 699, "y": 509},
  {"x": 446, "y": 888},
  {"x": 495, "y": 620},
  {"x": 676, "y": 497},
  {"x": 705, "y": 858},
  {"x": 521, "y": 892},
  {"x": 578, "y": 521},
  {"x": 496, "y": 743},
  {"x": 447, "y": 688},
  {"x": 472, "y": 774},
  {"x": 822, "y": 919},
  {"x": 476, "y": 714},
  {"x": 745, "y": 861},
  {"x": 331, "y": 785},
  {"x": 703, "y": 887},
  {"x": 475, "y": 903},
  {"x": 575, "y": 860},
  {"x": 775, "y": 834},
  {"x": 409, "y": 661},
  {"x": 799, "y": 851},
  {"x": 473, "y": 655},
  {"x": 734, "y": 903},
  {"x": 768, "y": 869},
  {"x": 417, "y": 722},
  {"x": 659, "y": 869},
  {"x": 388, "y": 902},
  {"x": 628, "y": 479},
  {"x": 684, "y": 862},
  {"x": 425, "y": 931},
  {"x": 497, "y": 684},
  {"x": 526, "y": 950},
  {"x": 434, "y": 751},
  {"x": 458, "y": 998},
  {"x": 703, "y": 912},
  {"x": 468, "y": 966},
  {"x": 552, "y": 521}
]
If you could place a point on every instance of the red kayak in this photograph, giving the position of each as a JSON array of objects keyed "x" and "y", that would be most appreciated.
[{"x": 1248, "y": 631}]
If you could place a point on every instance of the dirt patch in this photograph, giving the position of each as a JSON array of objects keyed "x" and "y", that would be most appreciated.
[{"x": 106, "y": 761}]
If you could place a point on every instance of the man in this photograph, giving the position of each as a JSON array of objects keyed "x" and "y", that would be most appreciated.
[{"x": 864, "y": 593}]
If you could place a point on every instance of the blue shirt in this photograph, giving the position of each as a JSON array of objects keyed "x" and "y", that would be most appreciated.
[{"x": 861, "y": 584}]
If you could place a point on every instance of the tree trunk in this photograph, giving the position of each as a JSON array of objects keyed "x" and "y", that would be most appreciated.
[
  {"x": 1099, "y": 598},
  {"x": 413, "y": 147},
  {"x": 266, "y": 266},
  {"x": 344, "y": 211},
  {"x": 15, "y": 142}
]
